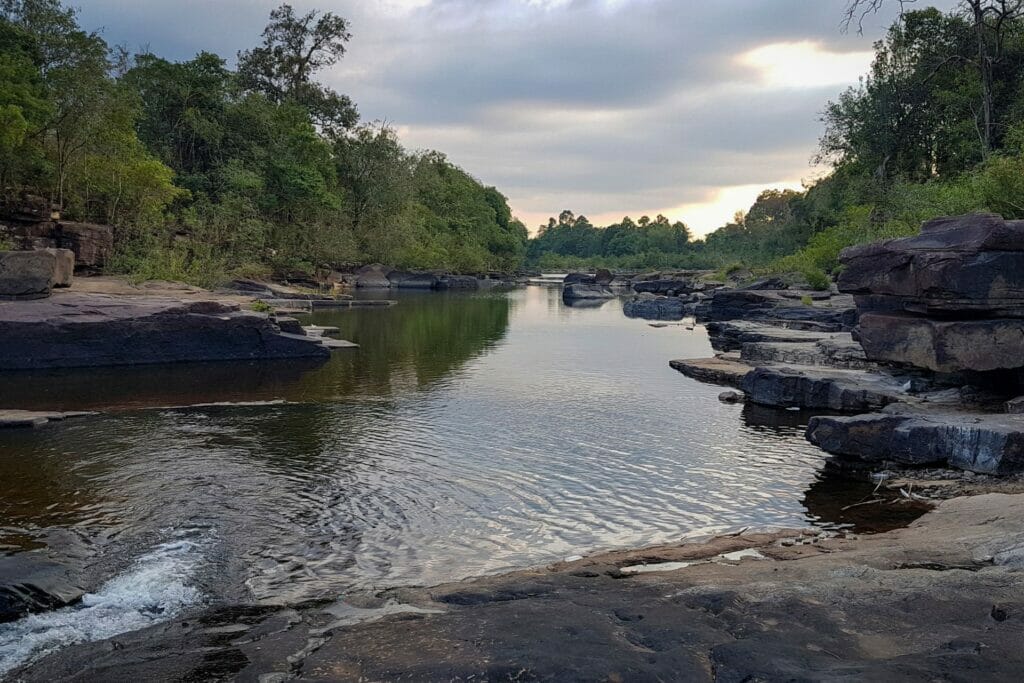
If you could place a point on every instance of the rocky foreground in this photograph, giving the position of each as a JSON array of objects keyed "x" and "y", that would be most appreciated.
[{"x": 940, "y": 600}]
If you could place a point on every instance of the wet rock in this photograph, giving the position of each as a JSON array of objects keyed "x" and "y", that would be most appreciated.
[
  {"x": 29, "y": 585},
  {"x": 730, "y": 397},
  {"x": 88, "y": 330},
  {"x": 27, "y": 274},
  {"x": 581, "y": 290},
  {"x": 651, "y": 307},
  {"x": 579, "y": 278},
  {"x": 820, "y": 389},
  {"x": 33, "y": 418},
  {"x": 603, "y": 276},
  {"x": 982, "y": 443}
]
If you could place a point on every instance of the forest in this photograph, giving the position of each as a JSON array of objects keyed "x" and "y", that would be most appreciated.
[
  {"x": 208, "y": 171},
  {"x": 935, "y": 128}
]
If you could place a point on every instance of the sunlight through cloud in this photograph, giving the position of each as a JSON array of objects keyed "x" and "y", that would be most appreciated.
[{"x": 805, "y": 64}]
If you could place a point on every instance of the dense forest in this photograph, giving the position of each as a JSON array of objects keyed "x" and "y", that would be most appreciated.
[
  {"x": 935, "y": 128},
  {"x": 208, "y": 170}
]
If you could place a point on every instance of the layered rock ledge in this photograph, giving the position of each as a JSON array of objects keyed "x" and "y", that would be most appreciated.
[
  {"x": 88, "y": 330},
  {"x": 940, "y": 600}
]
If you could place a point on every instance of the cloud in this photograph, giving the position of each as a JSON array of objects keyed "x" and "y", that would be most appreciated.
[{"x": 605, "y": 107}]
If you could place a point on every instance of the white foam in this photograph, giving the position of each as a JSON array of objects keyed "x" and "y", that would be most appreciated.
[{"x": 156, "y": 588}]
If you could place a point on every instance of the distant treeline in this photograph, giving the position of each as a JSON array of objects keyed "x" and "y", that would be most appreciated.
[
  {"x": 208, "y": 171},
  {"x": 935, "y": 128}
]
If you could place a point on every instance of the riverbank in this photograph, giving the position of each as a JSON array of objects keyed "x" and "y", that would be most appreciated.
[{"x": 941, "y": 598}]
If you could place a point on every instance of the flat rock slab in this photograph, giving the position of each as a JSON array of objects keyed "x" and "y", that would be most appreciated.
[
  {"x": 90, "y": 330},
  {"x": 940, "y": 600},
  {"x": 33, "y": 418},
  {"x": 984, "y": 443},
  {"x": 835, "y": 351},
  {"x": 733, "y": 334},
  {"x": 821, "y": 388},
  {"x": 723, "y": 371}
]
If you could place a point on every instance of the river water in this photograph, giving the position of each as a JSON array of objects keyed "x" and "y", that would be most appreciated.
[{"x": 470, "y": 433}]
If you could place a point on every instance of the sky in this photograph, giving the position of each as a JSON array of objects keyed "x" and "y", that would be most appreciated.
[{"x": 608, "y": 108}]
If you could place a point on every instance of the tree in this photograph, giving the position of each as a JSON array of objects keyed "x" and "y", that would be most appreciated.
[{"x": 295, "y": 48}]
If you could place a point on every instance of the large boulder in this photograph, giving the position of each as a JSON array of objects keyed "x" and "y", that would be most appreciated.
[
  {"x": 89, "y": 330},
  {"x": 582, "y": 290},
  {"x": 650, "y": 307},
  {"x": 579, "y": 278},
  {"x": 820, "y": 389},
  {"x": 949, "y": 300},
  {"x": 413, "y": 280},
  {"x": 824, "y": 313},
  {"x": 458, "y": 282},
  {"x": 27, "y": 274},
  {"x": 64, "y": 267},
  {"x": 92, "y": 243},
  {"x": 985, "y": 443},
  {"x": 373, "y": 276}
]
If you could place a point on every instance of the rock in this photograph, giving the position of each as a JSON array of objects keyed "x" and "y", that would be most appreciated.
[
  {"x": 820, "y": 389},
  {"x": 982, "y": 443},
  {"x": 655, "y": 308},
  {"x": 87, "y": 330},
  {"x": 603, "y": 276},
  {"x": 836, "y": 314},
  {"x": 272, "y": 290},
  {"x": 730, "y": 397},
  {"x": 412, "y": 280},
  {"x": 29, "y": 584},
  {"x": 33, "y": 418},
  {"x": 289, "y": 324},
  {"x": 723, "y": 371},
  {"x": 64, "y": 267},
  {"x": 1015, "y": 406},
  {"x": 836, "y": 351},
  {"x": 586, "y": 291},
  {"x": 773, "y": 283},
  {"x": 733, "y": 334},
  {"x": 27, "y": 274},
  {"x": 373, "y": 277},
  {"x": 92, "y": 244},
  {"x": 579, "y": 278},
  {"x": 946, "y": 346},
  {"x": 949, "y": 300},
  {"x": 467, "y": 282}
]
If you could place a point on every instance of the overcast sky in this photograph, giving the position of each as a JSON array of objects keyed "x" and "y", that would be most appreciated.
[{"x": 606, "y": 107}]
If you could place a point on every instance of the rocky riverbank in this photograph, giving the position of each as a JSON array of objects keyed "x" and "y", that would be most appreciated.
[
  {"x": 923, "y": 341},
  {"x": 933, "y": 601}
]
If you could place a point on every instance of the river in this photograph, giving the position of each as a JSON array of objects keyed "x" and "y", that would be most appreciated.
[{"x": 469, "y": 434}]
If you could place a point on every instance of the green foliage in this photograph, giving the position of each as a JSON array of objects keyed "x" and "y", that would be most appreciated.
[
  {"x": 261, "y": 307},
  {"x": 206, "y": 172}
]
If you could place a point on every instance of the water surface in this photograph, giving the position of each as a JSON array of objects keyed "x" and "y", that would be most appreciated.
[{"x": 470, "y": 433}]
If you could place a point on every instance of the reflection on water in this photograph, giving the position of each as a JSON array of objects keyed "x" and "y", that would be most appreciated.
[{"x": 468, "y": 434}]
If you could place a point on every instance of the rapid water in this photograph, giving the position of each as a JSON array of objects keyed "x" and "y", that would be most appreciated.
[{"x": 469, "y": 434}]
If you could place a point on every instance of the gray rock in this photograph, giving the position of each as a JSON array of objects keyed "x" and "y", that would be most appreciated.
[
  {"x": 466, "y": 282},
  {"x": 733, "y": 334},
  {"x": 603, "y": 276},
  {"x": 836, "y": 314},
  {"x": 730, "y": 397},
  {"x": 373, "y": 277},
  {"x": 582, "y": 290},
  {"x": 655, "y": 308},
  {"x": 87, "y": 330},
  {"x": 413, "y": 280},
  {"x": 579, "y": 278},
  {"x": 64, "y": 267},
  {"x": 722, "y": 371},
  {"x": 27, "y": 274},
  {"x": 983, "y": 443},
  {"x": 820, "y": 389}
]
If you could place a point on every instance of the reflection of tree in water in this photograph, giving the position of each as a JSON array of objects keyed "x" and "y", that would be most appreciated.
[{"x": 414, "y": 344}]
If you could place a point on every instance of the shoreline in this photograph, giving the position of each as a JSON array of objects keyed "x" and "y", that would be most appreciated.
[{"x": 941, "y": 595}]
